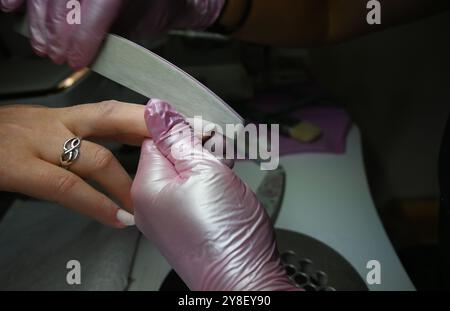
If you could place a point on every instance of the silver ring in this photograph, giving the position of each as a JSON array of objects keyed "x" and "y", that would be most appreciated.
[{"x": 71, "y": 151}]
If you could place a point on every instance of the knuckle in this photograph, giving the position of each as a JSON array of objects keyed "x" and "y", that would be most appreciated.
[
  {"x": 64, "y": 184},
  {"x": 103, "y": 158},
  {"x": 107, "y": 107}
]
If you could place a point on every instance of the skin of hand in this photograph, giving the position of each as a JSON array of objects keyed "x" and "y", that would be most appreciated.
[
  {"x": 206, "y": 222},
  {"x": 32, "y": 139},
  {"x": 77, "y": 44}
]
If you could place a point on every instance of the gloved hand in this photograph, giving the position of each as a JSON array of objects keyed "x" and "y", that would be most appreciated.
[
  {"x": 51, "y": 35},
  {"x": 206, "y": 222}
]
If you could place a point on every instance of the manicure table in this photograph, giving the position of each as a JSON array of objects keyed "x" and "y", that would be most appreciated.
[{"x": 327, "y": 198}]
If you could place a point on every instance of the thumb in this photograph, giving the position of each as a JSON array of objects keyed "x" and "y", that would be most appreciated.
[{"x": 174, "y": 137}]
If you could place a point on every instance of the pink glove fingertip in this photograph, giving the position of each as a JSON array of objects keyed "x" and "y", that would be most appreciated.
[{"x": 160, "y": 117}]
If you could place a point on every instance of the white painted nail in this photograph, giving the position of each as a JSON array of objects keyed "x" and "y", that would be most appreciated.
[{"x": 124, "y": 217}]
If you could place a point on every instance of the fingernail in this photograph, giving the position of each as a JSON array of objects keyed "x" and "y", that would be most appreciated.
[
  {"x": 125, "y": 218},
  {"x": 160, "y": 117}
]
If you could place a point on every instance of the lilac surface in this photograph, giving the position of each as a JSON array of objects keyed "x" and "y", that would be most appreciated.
[{"x": 333, "y": 121}]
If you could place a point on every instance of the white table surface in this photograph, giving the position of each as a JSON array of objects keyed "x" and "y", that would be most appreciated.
[{"x": 327, "y": 197}]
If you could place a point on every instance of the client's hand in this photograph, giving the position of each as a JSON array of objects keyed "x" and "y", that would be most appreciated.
[
  {"x": 31, "y": 143},
  {"x": 203, "y": 218}
]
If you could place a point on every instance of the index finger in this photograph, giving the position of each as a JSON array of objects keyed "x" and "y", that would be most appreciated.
[{"x": 123, "y": 122}]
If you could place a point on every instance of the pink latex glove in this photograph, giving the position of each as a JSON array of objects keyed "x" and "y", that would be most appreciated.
[
  {"x": 51, "y": 35},
  {"x": 207, "y": 223}
]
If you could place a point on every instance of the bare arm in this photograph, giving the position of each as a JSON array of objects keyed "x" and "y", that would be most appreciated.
[{"x": 317, "y": 22}]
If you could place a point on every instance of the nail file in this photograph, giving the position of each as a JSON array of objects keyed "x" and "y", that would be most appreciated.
[{"x": 148, "y": 74}]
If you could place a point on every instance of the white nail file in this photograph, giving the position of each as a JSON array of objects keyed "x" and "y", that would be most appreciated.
[{"x": 148, "y": 74}]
